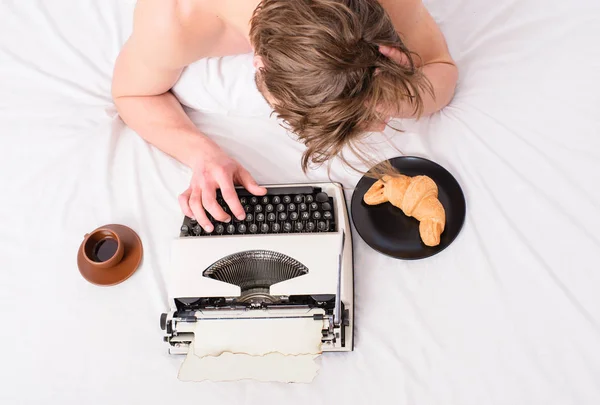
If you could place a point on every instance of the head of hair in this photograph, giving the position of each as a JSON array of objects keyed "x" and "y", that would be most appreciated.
[{"x": 322, "y": 67}]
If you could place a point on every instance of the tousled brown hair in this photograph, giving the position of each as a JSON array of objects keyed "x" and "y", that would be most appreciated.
[{"x": 323, "y": 68}]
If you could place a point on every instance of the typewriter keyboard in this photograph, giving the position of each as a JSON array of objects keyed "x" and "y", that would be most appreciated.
[{"x": 304, "y": 209}]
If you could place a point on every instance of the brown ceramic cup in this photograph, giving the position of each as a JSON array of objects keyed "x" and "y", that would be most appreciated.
[{"x": 103, "y": 248}]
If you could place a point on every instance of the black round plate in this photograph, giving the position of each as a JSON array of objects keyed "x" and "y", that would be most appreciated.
[{"x": 386, "y": 229}]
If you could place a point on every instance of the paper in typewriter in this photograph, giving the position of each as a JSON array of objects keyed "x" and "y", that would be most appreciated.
[{"x": 281, "y": 350}]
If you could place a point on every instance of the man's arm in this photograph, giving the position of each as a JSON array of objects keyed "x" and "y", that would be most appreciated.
[
  {"x": 421, "y": 35},
  {"x": 165, "y": 39},
  {"x": 148, "y": 66}
]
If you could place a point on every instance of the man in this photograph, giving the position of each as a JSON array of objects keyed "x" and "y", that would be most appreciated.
[{"x": 331, "y": 69}]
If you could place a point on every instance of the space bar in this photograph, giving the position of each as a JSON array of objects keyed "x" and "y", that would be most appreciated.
[{"x": 242, "y": 192}]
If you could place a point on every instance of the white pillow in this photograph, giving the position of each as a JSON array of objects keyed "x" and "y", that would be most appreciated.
[{"x": 222, "y": 85}]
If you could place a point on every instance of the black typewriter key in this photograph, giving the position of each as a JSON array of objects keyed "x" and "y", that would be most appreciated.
[
  {"x": 305, "y": 215},
  {"x": 280, "y": 207},
  {"x": 185, "y": 229},
  {"x": 322, "y": 226},
  {"x": 299, "y": 226},
  {"x": 271, "y": 217},
  {"x": 219, "y": 229},
  {"x": 282, "y": 216},
  {"x": 326, "y": 206},
  {"x": 243, "y": 201},
  {"x": 302, "y": 207},
  {"x": 197, "y": 230},
  {"x": 265, "y": 200},
  {"x": 309, "y": 199},
  {"x": 294, "y": 216},
  {"x": 314, "y": 206},
  {"x": 253, "y": 228},
  {"x": 258, "y": 208},
  {"x": 287, "y": 227},
  {"x": 287, "y": 199},
  {"x": 298, "y": 199},
  {"x": 230, "y": 228},
  {"x": 253, "y": 200},
  {"x": 276, "y": 200},
  {"x": 321, "y": 197},
  {"x": 242, "y": 228},
  {"x": 291, "y": 207},
  {"x": 247, "y": 208},
  {"x": 276, "y": 227},
  {"x": 249, "y": 217},
  {"x": 264, "y": 228},
  {"x": 269, "y": 208},
  {"x": 316, "y": 215},
  {"x": 260, "y": 217},
  {"x": 327, "y": 215},
  {"x": 310, "y": 226}
]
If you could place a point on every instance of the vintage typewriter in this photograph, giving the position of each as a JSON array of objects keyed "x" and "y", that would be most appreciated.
[{"x": 290, "y": 257}]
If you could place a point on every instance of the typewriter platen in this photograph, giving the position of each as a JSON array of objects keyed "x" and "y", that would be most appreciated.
[{"x": 290, "y": 256}]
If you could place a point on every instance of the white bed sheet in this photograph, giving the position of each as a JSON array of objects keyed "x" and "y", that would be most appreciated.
[{"x": 509, "y": 314}]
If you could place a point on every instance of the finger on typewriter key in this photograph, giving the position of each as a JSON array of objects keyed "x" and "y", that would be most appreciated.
[
  {"x": 210, "y": 204},
  {"x": 191, "y": 202},
  {"x": 231, "y": 200}
]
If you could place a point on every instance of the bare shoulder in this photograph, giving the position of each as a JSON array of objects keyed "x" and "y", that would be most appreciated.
[
  {"x": 173, "y": 33},
  {"x": 418, "y": 30}
]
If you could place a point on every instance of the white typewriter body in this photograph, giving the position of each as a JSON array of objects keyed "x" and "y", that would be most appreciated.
[{"x": 326, "y": 282}]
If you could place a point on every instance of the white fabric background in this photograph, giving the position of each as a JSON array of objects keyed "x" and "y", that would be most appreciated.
[{"x": 509, "y": 314}]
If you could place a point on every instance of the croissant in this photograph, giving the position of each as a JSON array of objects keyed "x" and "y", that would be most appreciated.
[{"x": 417, "y": 197}]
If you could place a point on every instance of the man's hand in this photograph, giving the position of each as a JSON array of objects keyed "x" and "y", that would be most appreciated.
[{"x": 215, "y": 170}]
